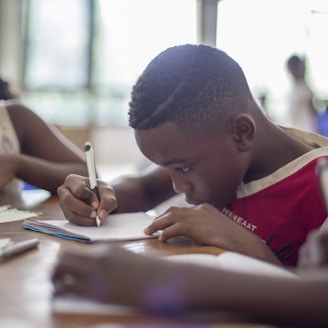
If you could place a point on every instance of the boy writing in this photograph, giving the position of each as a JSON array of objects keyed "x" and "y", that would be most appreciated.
[{"x": 252, "y": 184}]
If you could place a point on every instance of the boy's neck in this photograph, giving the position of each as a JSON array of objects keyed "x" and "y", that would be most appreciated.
[{"x": 275, "y": 148}]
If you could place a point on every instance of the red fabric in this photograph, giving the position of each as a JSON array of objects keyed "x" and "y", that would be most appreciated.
[{"x": 284, "y": 213}]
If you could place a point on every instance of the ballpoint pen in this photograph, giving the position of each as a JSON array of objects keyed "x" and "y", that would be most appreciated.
[
  {"x": 17, "y": 248},
  {"x": 92, "y": 172}
]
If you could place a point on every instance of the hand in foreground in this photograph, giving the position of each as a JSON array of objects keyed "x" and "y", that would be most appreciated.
[
  {"x": 208, "y": 226},
  {"x": 314, "y": 252},
  {"x": 111, "y": 274},
  {"x": 81, "y": 205}
]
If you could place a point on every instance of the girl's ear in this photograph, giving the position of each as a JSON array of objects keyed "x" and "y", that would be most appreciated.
[{"x": 243, "y": 131}]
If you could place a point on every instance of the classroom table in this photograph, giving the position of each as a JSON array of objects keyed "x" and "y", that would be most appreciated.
[{"x": 26, "y": 288}]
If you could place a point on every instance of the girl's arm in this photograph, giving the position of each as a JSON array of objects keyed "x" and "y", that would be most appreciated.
[{"x": 46, "y": 157}]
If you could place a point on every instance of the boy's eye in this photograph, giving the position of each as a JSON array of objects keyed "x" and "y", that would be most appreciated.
[{"x": 185, "y": 169}]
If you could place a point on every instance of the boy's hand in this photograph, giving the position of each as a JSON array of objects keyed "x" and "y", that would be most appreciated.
[
  {"x": 80, "y": 205},
  {"x": 208, "y": 226}
]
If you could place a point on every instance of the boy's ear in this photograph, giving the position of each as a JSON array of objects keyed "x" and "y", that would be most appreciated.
[{"x": 243, "y": 131}]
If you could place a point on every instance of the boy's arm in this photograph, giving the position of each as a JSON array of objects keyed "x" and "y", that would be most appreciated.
[
  {"x": 125, "y": 194},
  {"x": 206, "y": 225},
  {"x": 143, "y": 192}
]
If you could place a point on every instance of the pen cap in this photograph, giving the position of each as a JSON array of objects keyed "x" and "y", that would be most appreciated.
[{"x": 90, "y": 164}]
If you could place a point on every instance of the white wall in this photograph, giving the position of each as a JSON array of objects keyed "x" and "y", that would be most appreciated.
[
  {"x": 116, "y": 151},
  {"x": 114, "y": 145}
]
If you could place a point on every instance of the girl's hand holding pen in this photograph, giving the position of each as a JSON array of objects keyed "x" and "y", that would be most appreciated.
[{"x": 81, "y": 205}]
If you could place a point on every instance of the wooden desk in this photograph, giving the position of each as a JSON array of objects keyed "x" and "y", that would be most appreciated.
[{"x": 26, "y": 287}]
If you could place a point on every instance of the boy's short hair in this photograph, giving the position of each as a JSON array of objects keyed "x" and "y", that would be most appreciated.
[{"x": 193, "y": 85}]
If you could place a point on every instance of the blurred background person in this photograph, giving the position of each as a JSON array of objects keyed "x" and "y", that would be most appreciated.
[
  {"x": 301, "y": 113},
  {"x": 32, "y": 151}
]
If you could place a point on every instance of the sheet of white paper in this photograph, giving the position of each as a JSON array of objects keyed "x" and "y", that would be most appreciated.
[
  {"x": 125, "y": 226},
  {"x": 175, "y": 201},
  {"x": 9, "y": 214},
  {"x": 233, "y": 261},
  {"x": 71, "y": 304}
]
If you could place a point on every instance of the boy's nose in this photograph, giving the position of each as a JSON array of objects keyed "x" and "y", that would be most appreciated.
[{"x": 180, "y": 186}]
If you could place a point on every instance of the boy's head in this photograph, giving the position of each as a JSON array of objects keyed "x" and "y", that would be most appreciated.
[
  {"x": 191, "y": 111},
  {"x": 195, "y": 86}
]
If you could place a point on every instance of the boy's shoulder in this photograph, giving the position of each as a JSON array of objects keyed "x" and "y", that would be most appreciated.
[{"x": 313, "y": 139}]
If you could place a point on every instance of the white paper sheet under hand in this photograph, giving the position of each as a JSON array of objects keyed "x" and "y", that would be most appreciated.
[
  {"x": 9, "y": 214},
  {"x": 233, "y": 261},
  {"x": 124, "y": 226},
  {"x": 78, "y": 305}
]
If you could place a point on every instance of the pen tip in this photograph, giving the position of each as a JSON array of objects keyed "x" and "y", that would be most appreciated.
[{"x": 98, "y": 221}]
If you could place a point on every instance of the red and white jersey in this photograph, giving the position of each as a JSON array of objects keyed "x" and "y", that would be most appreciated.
[{"x": 284, "y": 207}]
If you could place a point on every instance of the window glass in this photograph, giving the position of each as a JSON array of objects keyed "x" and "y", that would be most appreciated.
[
  {"x": 57, "y": 42},
  {"x": 74, "y": 78}
]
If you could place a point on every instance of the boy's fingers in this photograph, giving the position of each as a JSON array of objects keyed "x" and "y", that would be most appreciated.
[
  {"x": 81, "y": 205},
  {"x": 108, "y": 202}
]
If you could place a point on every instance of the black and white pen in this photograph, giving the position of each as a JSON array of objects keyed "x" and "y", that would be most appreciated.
[{"x": 91, "y": 165}]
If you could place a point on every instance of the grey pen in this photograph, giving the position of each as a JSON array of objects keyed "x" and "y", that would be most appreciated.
[
  {"x": 91, "y": 165},
  {"x": 17, "y": 248}
]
